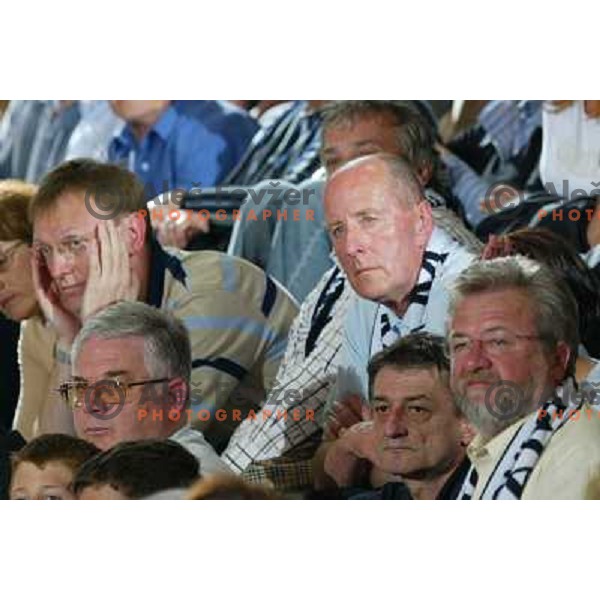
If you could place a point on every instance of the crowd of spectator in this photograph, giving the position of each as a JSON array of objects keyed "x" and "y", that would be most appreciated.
[{"x": 300, "y": 299}]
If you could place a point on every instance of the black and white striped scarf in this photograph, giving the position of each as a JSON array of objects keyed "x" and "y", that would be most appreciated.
[
  {"x": 512, "y": 472},
  {"x": 391, "y": 327}
]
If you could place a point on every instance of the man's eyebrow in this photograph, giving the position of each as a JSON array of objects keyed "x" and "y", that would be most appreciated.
[
  {"x": 74, "y": 235},
  {"x": 417, "y": 397},
  {"x": 115, "y": 372},
  {"x": 363, "y": 143},
  {"x": 488, "y": 330},
  {"x": 367, "y": 211},
  {"x": 380, "y": 399}
]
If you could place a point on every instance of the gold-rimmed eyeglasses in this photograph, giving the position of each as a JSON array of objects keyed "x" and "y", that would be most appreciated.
[
  {"x": 71, "y": 247},
  {"x": 100, "y": 395}
]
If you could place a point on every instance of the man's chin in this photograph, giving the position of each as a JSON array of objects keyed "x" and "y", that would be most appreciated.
[
  {"x": 72, "y": 303},
  {"x": 396, "y": 464},
  {"x": 369, "y": 290},
  {"x": 102, "y": 439}
]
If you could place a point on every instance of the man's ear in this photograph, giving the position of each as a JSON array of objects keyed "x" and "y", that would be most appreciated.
[
  {"x": 425, "y": 221},
  {"x": 179, "y": 391},
  {"x": 134, "y": 227},
  {"x": 424, "y": 174},
  {"x": 562, "y": 355}
]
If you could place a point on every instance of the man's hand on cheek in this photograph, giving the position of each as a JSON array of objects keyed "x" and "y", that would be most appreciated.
[
  {"x": 110, "y": 277},
  {"x": 62, "y": 321}
]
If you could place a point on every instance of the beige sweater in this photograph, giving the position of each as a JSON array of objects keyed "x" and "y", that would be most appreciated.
[{"x": 38, "y": 376}]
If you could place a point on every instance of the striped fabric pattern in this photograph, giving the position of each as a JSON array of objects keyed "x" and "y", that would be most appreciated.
[
  {"x": 288, "y": 149},
  {"x": 238, "y": 320}
]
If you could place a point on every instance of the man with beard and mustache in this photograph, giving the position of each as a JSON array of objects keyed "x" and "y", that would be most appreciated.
[{"x": 513, "y": 341}]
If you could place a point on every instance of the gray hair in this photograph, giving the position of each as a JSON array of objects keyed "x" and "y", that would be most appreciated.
[
  {"x": 552, "y": 301},
  {"x": 167, "y": 348},
  {"x": 414, "y": 135}
]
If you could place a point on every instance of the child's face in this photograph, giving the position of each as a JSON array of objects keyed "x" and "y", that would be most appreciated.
[{"x": 50, "y": 482}]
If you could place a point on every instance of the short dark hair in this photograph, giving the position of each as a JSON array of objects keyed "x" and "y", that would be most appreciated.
[
  {"x": 415, "y": 135},
  {"x": 421, "y": 350},
  {"x": 138, "y": 469},
  {"x": 55, "y": 447},
  {"x": 120, "y": 190}
]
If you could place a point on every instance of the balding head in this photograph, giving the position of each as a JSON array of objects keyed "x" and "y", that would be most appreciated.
[
  {"x": 381, "y": 168},
  {"x": 380, "y": 224}
]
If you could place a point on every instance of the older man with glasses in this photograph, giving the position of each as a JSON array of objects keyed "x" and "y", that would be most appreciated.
[
  {"x": 132, "y": 365},
  {"x": 93, "y": 246},
  {"x": 513, "y": 340}
]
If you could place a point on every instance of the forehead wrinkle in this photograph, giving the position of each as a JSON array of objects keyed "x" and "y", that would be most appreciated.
[{"x": 416, "y": 397}]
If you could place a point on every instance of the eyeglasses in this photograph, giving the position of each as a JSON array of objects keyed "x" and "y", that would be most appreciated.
[
  {"x": 496, "y": 343},
  {"x": 72, "y": 247},
  {"x": 7, "y": 256},
  {"x": 100, "y": 395}
]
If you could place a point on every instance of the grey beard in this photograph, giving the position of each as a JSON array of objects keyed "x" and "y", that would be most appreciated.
[{"x": 487, "y": 424}]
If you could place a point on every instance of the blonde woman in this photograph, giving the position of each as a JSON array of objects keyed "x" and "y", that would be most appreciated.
[{"x": 18, "y": 303}]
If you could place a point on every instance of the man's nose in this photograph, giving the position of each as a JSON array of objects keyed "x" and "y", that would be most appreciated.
[
  {"x": 475, "y": 356},
  {"x": 395, "y": 423},
  {"x": 59, "y": 265},
  {"x": 354, "y": 242}
]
